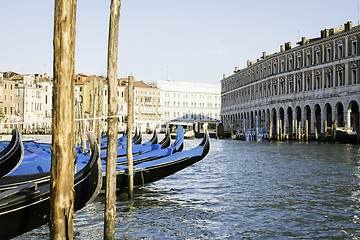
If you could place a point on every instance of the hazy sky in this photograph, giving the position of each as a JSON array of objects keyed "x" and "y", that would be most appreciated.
[{"x": 181, "y": 40}]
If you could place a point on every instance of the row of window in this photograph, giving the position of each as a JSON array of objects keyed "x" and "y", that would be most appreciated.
[
  {"x": 192, "y": 116},
  {"x": 304, "y": 57},
  {"x": 192, "y": 96},
  {"x": 294, "y": 83},
  {"x": 193, "y": 104}
]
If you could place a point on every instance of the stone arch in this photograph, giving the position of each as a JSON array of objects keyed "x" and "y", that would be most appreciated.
[
  {"x": 268, "y": 117},
  {"x": 340, "y": 114},
  {"x": 263, "y": 118},
  {"x": 282, "y": 119},
  {"x": 353, "y": 114},
  {"x": 328, "y": 117},
  {"x": 290, "y": 118},
  {"x": 317, "y": 112},
  {"x": 273, "y": 117},
  {"x": 259, "y": 119},
  {"x": 307, "y": 112},
  {"x": 252, "y": 119},
  {"x": 298, "y": 114}
]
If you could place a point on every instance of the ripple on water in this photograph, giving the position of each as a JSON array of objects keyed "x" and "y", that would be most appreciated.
[{"x": 251, "y": 190}]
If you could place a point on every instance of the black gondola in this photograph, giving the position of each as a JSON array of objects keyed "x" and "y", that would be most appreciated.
[
  {"x": 12, "y": 155},
  {"x": 166, "y": 140},
  {"x": 27, "y": 206},
  {"x": 150, "y": 171}
]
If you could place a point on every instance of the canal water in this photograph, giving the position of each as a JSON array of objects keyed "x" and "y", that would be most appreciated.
[{"x": 241, "y": 190}]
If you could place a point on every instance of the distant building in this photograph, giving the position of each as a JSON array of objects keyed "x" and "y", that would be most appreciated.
[
  {"x": 7, "y": 103},
  {"x": 185, "y": 101},
  {"x": 146, "y": 105},
  {"x": 315, "y": 84},
  {"x": 33, "y": 100}
]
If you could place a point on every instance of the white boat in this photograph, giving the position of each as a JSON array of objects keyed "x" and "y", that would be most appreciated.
[{"x": 187, "y": 126}]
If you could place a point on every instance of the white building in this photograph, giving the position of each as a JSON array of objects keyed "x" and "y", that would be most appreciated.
[
  {"x": 33, "y": 101},
  {"x": 185, "y": 101}
]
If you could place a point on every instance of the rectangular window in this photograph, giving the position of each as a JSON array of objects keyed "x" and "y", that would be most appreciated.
[
  {"x": 340, "y": 51},
  {"x": 308, "y": 83},
  {"x": 299, "y": 62},
  {"x": 308, "y": 60},
  {"x": 353, "y": 76},
  {"x": 290, "y": 65},
  {"x": 328, "y": 80},
  {"x": 317, "y": 58},
  {"x": 328, "y": 52},
  {"x": 340, "y": 79},
  {"x": 353, "y": 47},
  {"x": 317, "y": 86}
]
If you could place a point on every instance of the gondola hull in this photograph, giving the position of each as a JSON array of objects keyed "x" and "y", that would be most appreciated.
[
  {"x": 29, "y": 208},
  {"x": 147, "y": 173},
  {"x": 12, "y": 155}
]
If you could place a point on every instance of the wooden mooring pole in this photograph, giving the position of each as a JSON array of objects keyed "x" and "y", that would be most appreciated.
[
  {"x": 110, "y": 191},
  {"x": 129, "y": 137},
  {"x": 100, "y": 112},
  {"x": 62, "y": 150}
]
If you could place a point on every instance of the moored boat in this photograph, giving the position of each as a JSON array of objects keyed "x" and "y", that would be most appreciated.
[
  {"x": 153, "y": 170},
  {"x": 12, "y": 155},
  {"x": 25, "y": 200}
]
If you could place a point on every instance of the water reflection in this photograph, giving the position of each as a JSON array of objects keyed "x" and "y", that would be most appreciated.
[{"x": 242, "y": 190}]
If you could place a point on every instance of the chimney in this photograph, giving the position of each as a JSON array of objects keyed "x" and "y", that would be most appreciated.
[
  {"x": 348, "y": 26},
  {"x": 264, "y": 55},
  {"x": 235, "y": 70},
  {"x": 325, "y": 33},
  {"x": 303, "y": 40},
  {"x": 281, "y": 48},
  {"x": 287, "y": 46},
  {"x": 224, "y": 76}
]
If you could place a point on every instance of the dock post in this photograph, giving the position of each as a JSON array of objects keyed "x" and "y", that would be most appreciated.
[
  {"x": 307, "y": 130},
  {"x": 62, "y": 149},
  {"x": 82, "y": 127},
  {"x": 316, "y": 131},
  {"x": 110, "y": 191},
  {"x": 299, "y": 131},
  {"x": 256, "y": 129},
  {"x": 334, "y": 126},
  {"x": 277, "y": 130},
  {"x": 243, "y": 125},
  {"x": 270, "y": 131},
  {"x": 129, "y": 138},
  {"x": 100, "y": 112}
]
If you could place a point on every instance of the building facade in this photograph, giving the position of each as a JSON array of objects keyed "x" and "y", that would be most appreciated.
[
  {"x": 147, "y": 115},
  {"x": 7, "y": 104},
  {"x": 314, "y": 84},
  {"x": 185, "y": 101},
  {"x": 33, "y": 101}
]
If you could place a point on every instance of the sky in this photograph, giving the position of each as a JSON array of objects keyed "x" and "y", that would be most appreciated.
[{"x": 178, "y": 40}]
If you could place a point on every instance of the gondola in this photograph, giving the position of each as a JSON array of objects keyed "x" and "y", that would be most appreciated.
[
  {"x": 166, "y": 140},
  {"x": 139, "y": 148},
  {"x": 137, "y": 139},
  {"x": 27, "y": 206},
  {"x": 151, "y": 171},
  {"x": 177, "y": 146},
  {"x": 12, "y": 155}
]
